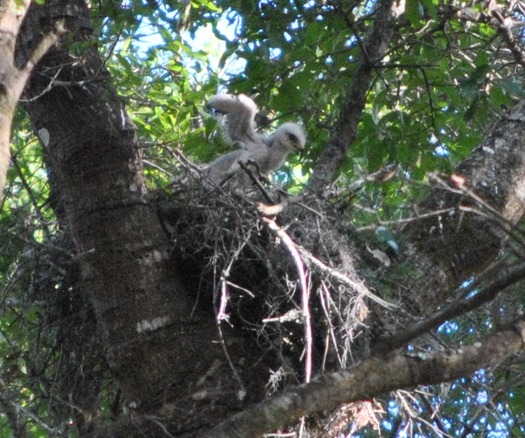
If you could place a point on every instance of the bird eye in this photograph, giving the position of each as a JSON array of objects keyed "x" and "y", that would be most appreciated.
[{"x": 293, "y": 138}]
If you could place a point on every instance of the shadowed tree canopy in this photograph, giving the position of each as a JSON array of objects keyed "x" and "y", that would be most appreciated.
[{"x": 371, "y": 286}]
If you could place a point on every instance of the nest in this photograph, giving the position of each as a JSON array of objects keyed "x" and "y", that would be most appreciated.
[{"x": 275, "y": 265}]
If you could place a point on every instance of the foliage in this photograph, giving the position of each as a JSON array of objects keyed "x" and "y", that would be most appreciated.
[{"x": 444, "y": 81}]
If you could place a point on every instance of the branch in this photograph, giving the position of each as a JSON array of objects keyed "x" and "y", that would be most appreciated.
[
  {"x": 359, "y": 287},
  {"x": 456, "y": 308},
  {"x": 17, "y": 416},
  {"x": 504, "y": 24},
  {"x": 12, "y": 79},
  {"x": 371, "y": 378},
  {"x": 372, "y": 52},
  {"x": 305, "y": 291},
  {"x": 44, "y": 45}
]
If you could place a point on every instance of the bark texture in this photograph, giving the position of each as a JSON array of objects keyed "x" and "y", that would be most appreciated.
[{"x": 165, "y": 354}]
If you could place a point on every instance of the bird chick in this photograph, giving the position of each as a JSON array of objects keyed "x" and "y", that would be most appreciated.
[
  {"x": 227, "y": 165},
  {"x": 289, "y": 137},
  {"x": 240, "y": 131},
  {"x": 268, "y": 153}
]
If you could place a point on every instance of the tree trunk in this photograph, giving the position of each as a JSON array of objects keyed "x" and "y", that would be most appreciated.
[
  {"x": 485, "y": 199},
  {"x": 12, "y": 77},
  {"x": 165, "y": 354}
]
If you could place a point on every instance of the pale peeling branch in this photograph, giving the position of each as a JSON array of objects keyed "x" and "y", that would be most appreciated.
[
  {"x": 12, "y": 79},
  {"x": 12, "y": 13},
  {"x": 45, "y": 44},
  {"x": 305, "y": 292},
  {"x": 373, "y": 377}
]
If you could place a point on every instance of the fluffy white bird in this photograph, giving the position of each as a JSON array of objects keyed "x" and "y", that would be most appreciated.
[
  {"x": 268, "y": 152},
  {"x": 239, "y": 130},
  {"x": 225, "y": 166}
]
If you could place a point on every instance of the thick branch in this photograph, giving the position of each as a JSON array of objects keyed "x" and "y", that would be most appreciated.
[
  {"x": 45, "y": 44},
  {"x": 372, "y": 52},
  {"x": 369, "y": 379}
]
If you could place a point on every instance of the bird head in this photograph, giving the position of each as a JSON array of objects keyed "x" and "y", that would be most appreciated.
[{"x": 291, "y": 135}]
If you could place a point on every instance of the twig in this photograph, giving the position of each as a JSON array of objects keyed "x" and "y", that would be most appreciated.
[
  {"x": 256, "y": 181},
  {"x": 236, "y": 286},
  {"x": 159, "y": 168},
  {"x": 275, "y": 209},
  {"x": 222, "y": 315},
  {"x": 305, "y": 291},
  {"x": 358, "y": 287},
  {"x": 331, "y": 334},
  {"x": 30, "y": 193},
  {"x": 504, "y": 25},
  {"x": 408, "y": 219},
  {"x": 26, "y": 412},
  {"x": 456, "y": 308},
  {"x": 48, "y": 88}
]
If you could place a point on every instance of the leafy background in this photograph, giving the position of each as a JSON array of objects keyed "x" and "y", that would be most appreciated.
[{"x": 441, "y": 87}]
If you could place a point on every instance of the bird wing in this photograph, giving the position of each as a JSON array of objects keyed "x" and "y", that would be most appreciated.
[{"x": 240, "y": 118}]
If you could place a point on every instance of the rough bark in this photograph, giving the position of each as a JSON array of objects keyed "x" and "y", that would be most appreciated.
[
  {"x": 165, "y": 354},
  {"x": 484, "y": 201}
]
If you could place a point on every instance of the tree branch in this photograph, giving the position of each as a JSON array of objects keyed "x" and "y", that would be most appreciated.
[
  {"x": 12, "y": 79},
  {"x": 454, "y": 309},
  {"x": 504, "y": 24},
  {"x": 345, "y": 131},
  {"x": 371, "y": 378},
  {"x": 44, "y": 45}
]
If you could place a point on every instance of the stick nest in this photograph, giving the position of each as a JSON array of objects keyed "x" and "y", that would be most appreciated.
[{"x": 277, "y": 265}]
